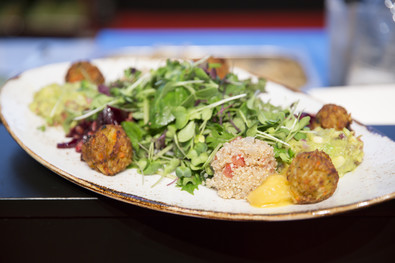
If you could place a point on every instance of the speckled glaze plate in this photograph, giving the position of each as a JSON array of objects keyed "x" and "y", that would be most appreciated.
[{"x": 372, "y": 182}]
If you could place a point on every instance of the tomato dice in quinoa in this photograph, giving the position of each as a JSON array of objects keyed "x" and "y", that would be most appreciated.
[{"x": 240, "y": 166}]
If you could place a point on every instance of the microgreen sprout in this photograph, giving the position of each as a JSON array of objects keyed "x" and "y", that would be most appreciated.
[
  {"x": 218, "y": 103},
  {"x": 96, "y": 110}
]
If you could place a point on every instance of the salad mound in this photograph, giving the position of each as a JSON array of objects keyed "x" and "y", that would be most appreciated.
[{"x": 178, "y": 116}]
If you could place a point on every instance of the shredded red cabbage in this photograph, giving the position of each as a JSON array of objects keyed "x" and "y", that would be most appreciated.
[
  {"x": 85, "y": 128},
  {"x": 102, "y": 88},
  {"x": 312, "y": 118},
  {"x": 112, "y": 115}
]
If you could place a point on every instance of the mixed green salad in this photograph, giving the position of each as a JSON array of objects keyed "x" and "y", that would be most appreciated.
[{"x": 179, "y": 115}]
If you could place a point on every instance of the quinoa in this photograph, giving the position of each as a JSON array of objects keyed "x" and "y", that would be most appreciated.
[{"x": 240, "y": 166}]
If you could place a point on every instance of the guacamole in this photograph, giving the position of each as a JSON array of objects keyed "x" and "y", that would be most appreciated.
[
  {"x": 344, "y": 148},
  {"x": 59, "y": 104}
]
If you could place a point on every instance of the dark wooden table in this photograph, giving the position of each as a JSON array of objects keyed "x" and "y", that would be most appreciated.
[{"x": 45, "y": 218}]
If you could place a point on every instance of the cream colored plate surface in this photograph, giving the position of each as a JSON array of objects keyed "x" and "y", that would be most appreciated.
[{"x": 372, "y": 182}]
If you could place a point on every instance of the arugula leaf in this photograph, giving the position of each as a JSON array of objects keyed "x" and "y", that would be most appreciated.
[
  {"x": 134, "y": 132},
  {"x": 218, "y": 135},
  {"x": 167, "y": 99},
  {"x": 207, "y": 93},
  {"x": 152, "y": 167},
  {"x": 189, "y": 184}
]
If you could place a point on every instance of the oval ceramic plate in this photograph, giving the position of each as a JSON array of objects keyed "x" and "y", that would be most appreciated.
[{"x": 372, "y": 182}]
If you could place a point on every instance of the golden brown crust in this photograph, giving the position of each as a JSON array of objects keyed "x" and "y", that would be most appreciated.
[
  {"x": 312, "y": 177},
  {"x": 84, "y": 70},
  {"x": 108, "y": 151},
  {"x": 332, "y": 116},
  {"x": 223, "y": 70}
]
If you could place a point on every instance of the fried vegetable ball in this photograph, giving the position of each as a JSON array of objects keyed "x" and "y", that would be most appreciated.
[
  {"x": 312, "y": 177},
  {"x": 84, "y": 70},
  {"x": 223, "y": 70},
  {"x": 332, "y": 116},
  {"x": 108, "y": 150}
]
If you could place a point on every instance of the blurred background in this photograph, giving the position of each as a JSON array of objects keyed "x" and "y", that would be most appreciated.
[
  {"x": 36, "y": 32},
  {"x": 76, "y": 18},
  {"x": 302, "y": 44}
]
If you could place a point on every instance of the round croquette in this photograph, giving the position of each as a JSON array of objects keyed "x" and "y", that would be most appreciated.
[
  {"x": 332, "y": 116},
  {"x": 221, "y": 71},
  {"x": 84, "y": 70},
  {"x": 312, "y": 177},
  {"x": 108, "y": 150},
  {"x": 240, "y": 166}
]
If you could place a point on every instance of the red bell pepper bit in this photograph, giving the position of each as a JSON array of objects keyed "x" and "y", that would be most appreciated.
[
  {"x": 237, "y": 161},
  {"x": 228, "y": 170}
]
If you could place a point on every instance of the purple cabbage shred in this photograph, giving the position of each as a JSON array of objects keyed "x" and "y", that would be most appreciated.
[
  {"x": 86, "y": 128},
  {"x": 102, "y": 88}
]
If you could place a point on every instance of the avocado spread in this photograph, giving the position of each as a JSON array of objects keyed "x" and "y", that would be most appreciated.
[
  {"x": 59, "y": 104},
  {"x": 344, "y": 148}
]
